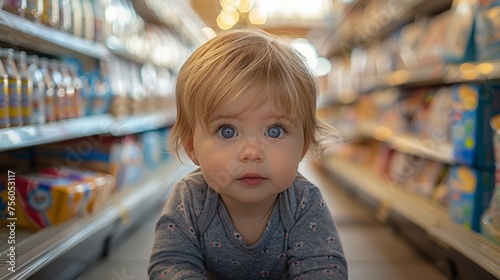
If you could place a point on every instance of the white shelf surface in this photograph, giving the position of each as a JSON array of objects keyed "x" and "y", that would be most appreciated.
[
  {"x": 431, "y": 217},
  {"x": 435, "y": 75},
  {"x": 35, "y": 250},
  {"x": 32, "y": 135},
  {"x": 22, "y": 32},
  {"x": 403, "y": 142}
]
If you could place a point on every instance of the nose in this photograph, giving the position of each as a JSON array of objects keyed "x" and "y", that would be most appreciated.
[{"x": 251, "y": 152}]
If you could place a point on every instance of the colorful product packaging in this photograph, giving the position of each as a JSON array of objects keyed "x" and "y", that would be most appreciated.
[
  {"x": 119, "y": 156},
  {"x": 471, "y": 135},
  {"x": 43, "y": 201},
  {"x": 104, "y": 183},
  {"x": 488, "y": 29},
  {"x": 460, "y": 43},
  {"x": 470, "y": 192}
]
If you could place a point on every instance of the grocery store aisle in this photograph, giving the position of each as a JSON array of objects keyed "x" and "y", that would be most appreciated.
[{"x": 373, "y": 250}]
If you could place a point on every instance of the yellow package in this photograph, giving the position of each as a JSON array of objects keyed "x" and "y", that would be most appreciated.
[
  {"x": 42, "y": 201},
  {"x": 104, "y": 183}
]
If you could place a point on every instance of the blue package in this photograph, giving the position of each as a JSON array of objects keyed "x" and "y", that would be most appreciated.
[{"x": 471, "y": 136}]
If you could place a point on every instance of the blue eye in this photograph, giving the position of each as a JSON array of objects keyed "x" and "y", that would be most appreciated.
[
  {"x": 275, "y": 132},
  {"x": 227, "y": 132}
]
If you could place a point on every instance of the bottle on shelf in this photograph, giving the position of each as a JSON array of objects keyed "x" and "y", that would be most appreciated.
[
  {"x": 66, "y": 16},
  {"x": 39, "y": 90},
  {"x": 26, "y": 88},
  {"x": 61, "y": 98},
  {"x": 88, "y": 20},
  {"x": 49, "y": 95},
  {"x": 120, "y": 106},
  {"x": 17, "y": 7},
  {"x": 13, "y": 88},
  {"x": 77, "y": 17},
  {"x": 98, "y": 21},
  {"x": 34, "y": 10},
  {"x": 4, "y": 97},
  {"x": 71, "y": 97},
  {"x": 80, "y": 99},
  {"x": 51, "y": 13}
]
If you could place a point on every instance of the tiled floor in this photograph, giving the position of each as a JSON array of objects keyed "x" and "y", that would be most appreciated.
[{"x": 373, "y": 250}]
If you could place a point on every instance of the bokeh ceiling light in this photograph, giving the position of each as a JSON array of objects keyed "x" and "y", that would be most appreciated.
[
  {"x": 246, "y": 6},
  {"x": 225, "y": 4},
  {"x": 257, "y": 16},
  {"x": 222, "y": 24}
]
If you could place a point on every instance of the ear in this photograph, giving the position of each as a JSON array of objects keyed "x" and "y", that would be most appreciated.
[{"x": 189, "y": 148}]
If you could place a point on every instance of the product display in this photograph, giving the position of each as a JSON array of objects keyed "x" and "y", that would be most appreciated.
[
  {"x": 418, "y": 119},
  {"x": 85, "y": 107}
]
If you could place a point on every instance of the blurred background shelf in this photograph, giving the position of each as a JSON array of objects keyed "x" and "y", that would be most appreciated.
[
  {"x": 470, "y": 250},
  {"x": 63, "y": 251},
  {"x": 32, "y": 135},
  {"x": 22, "y": 32}
]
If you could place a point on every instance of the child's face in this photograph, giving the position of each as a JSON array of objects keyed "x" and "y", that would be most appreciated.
[{"x": 248, "y": 158}]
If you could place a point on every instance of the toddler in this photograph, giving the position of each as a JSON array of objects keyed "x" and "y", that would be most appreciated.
[{"x": 246, "y": 106}]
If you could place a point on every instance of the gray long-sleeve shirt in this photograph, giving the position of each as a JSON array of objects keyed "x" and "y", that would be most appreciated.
[{"x": 195, "y": 238}]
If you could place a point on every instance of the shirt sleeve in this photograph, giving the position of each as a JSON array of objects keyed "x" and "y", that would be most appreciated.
[
  {"x": 176, "y": 251},
  {"x": 315, "y": 251}
]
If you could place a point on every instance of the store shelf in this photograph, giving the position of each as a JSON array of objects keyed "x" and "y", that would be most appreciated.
[
  {"x": 37, "y": 250},
  {"x": 177, "y": 15},
  {"x": 428, "y": 216},
  {"x": 435, "y": 75},
  {"x": 137, "y": 124},
  {"x": 32, "y": 135},
  {"x": 406, "y": 143},
  {"x": 22, "y": 32},
  {"x": 379, "y": 23},
  {"x": 117, "y": 47}
]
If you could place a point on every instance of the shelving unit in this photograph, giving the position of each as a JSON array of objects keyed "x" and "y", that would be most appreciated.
[
  {"x": 40, "y": 252},
  {"x": 395, "y": 13},
  {"x": 434, "y": 75},
  {"x": 64, "y": 250},
  {"x": 457, "y": 251},
  {"x": 24, "y": 33},
  {"x": 389, "y": 202}
]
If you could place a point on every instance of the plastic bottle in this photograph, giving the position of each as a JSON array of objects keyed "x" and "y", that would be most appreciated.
[
  {"x": 39, "y": 89},
  {"x": 4, "y": 97},
  {"x": 17, "y": 7},
  {"x": 14, "y": 87},
  {"x": 61, "y": 98},
  {"x": 66, "y": 16},
  {"x": 71, "y": 95},
  {"x": 76, "y": 9},
  {"x": 88, "y": 20},
  {"x": 51, "y": 14},
  {"x": 80, "y": 100},
  {"x": 50, "y": 106},
  {"x": 26, "y": 88},
  {"x": 102, "y": 94},
  {"x": 34, "y": 10}
]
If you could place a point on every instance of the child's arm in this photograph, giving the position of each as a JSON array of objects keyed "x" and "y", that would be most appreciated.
[
  {"x": 176, "y": 251},
  {"x": 315, "y": 250}
]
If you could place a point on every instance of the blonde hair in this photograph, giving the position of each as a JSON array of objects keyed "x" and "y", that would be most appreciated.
[{"x": 245, "y": 62}]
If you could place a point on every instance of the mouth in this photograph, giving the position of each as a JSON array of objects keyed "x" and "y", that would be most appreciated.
[{"x": 251, "y": 179}]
